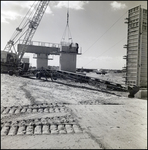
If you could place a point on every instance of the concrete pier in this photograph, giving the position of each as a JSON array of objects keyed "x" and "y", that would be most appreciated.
[
  {"x": 142, "y": 94},
  {"x": 68, "y": 56},
  {"x": 42, "y": 61},
  {"x": 42, "y": 50}
]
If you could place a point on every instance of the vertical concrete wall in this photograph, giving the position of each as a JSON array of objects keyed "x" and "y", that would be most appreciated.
[
  {"x": 42, "y": 61},
  {"x": 68, "y": 58},
  {"x": 136, "y": 61},
  {"x": 68, "y": 62},
  {"x": 142, "y": 81}
]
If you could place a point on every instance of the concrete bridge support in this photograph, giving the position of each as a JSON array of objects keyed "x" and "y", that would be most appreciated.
[
  {"x": 68, "y": 62},
  {"x": 42, "y": 61},
  {"x": 68, "y": 57},
  {"x": 68, "y": 54},
  {"x": 41, "y": 50}
]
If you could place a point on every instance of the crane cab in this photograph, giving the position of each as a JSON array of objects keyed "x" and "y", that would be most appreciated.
[
  {"x": 7, "y": 57},
  {"x": 8, "y": 61},
  {"x": 3, "y": 56}
]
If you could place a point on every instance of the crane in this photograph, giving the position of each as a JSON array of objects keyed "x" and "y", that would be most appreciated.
[{"x": 30, "y": 24}]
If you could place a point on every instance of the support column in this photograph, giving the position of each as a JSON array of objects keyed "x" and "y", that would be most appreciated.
[
  {"x": 42, "y": 61},
  {"x": 68, "y": 57}
]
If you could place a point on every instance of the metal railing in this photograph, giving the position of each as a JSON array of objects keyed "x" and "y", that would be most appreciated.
[{"x": 46, "y": 44}]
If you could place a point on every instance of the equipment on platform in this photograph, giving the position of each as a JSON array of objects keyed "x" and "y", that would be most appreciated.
[{"x": 10, "y": 58}]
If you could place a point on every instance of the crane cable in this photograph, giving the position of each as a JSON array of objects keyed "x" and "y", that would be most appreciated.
[
  {"x": 15, "y": 32},
  {"x": 67, "y": 28},
  {"x": 105, "y": 51},
  {"x": 102, "y": 36},
  {"x": 19, "y": 32},
  {"x": 105, "y": 32}
]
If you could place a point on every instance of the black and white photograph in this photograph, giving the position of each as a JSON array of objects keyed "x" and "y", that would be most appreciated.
[{"x": 73, "y": 74}]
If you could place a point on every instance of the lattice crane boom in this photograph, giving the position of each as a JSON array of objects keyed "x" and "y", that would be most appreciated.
[{"x": 31, "y": 26}]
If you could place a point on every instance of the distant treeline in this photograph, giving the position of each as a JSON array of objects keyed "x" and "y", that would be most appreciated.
[{"x": 88, "y": 70}]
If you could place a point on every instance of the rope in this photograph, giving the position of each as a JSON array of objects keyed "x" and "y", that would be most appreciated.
[
  {"x": 105, "y": 51},
  {"x": 104, "y": 33},
  {"x": 67, "y": 29}
]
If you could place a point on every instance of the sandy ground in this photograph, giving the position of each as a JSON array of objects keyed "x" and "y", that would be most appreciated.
[{"x": 107, "y": 121}]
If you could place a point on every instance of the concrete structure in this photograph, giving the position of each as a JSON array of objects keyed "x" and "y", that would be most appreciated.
[
  {"x": 25, "y": 60},
  {"x": 142, "y": 94},
  {"x": 68, "y": 56},
  {"x": 42, "y": 60},
  {"x": 42, "y": 50},
  {"x": 136, "y": 59}
]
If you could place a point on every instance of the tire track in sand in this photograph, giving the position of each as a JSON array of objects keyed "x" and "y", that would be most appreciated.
[{"x": 28, "y": 94}]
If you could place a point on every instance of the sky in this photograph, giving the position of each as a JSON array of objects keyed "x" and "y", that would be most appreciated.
[{"x": 97, "y": 26}]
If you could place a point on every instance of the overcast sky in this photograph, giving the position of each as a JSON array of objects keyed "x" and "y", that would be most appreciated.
[{"x": 98, "y": 27}]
